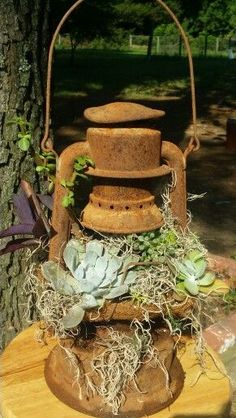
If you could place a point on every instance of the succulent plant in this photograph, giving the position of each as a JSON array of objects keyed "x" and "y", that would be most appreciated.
[
  {"x": 95, "y": 273},
  {"x": 192, "y": 274},
  {"x": 155, "y": 244}
]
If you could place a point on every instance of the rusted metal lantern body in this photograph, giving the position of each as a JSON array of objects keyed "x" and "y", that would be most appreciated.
[
  {"x": 128, "y": 163},
  {"x": 122, "y": 200}
]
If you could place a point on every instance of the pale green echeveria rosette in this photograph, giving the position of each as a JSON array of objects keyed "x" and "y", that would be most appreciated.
[
  {"x": 191, "y": 273},
  {"x": 95, "y": 273}
]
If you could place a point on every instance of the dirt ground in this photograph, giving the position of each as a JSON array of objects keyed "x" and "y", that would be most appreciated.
[{"x": 212, "y": 170}]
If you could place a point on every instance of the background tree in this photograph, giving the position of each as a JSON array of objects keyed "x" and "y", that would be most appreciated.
[
  {"x": 214, "y": 19},
  {"x": 232, "y": 22},
  {"x": 143, "y": 17},
  {"x": 23, "y": 53},
  {"x": 92, "y": 19}
]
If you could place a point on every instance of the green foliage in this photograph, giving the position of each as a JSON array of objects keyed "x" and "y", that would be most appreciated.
[
  {"x": 81, "y": 164},
  {"x": 96, "y": 274},
  {"x": 68, "y": 200},
  {"x": 103, "y": 19},
  {"x": 156, "y": 245},
  {"x": 232, "y": 7},
  {"x": 46, "y": 165},
  {"x": 191, "y": 273},
  {"x": 230, "y": 300},
  {"x": 45, "y": 162},
  {"x": 214, "y": 17},
  {"x": 24, "y": 136}
]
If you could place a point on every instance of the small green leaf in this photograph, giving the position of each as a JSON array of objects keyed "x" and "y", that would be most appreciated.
[
  {"x": 24, "y": 135},
  {"x": 23, "y": 144},
  {"x": 191, "y": 286},
  {"x": 218, "y": 287},
  {"x": 60, "y": 280},
  {"x": 41, "y": 168},
  {"x": 63, "y": 182},
  {"x": 67, "y": 183},
  {"x": 51, "y": 166},
  {"x": 180, "y": 287},
  {"x": 73, "y": 317},
  {"x": 207, "y": 279},
  {"x": 115, "y": 292},
  {"x": 68, "y": 200}
]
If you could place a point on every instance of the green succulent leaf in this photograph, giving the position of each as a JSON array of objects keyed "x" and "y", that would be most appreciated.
[
  {"x": 96, "y": 247},
  {"x": 73, "y": 317},
  {"x": 191, "y": 286},
  {"x": 88, "y": 302},
  {"x": 195, "y": 255},
  {"x": 182, "y": 270},
  {"x": 73, "y": 254},
  {"x": 207, "y": 279},
  {"x": 181, "y": 287},
  {"x": 130, "y": 277},
  {"x": 90, "y": 258},
  {"x": 87, "y": 286},
  {"x": 117, "y": 291},
  {"x": 60, "y": 280},
  {"x": 101, "y": 265},
  {"x": 114, "y": 265},
  {"x": 79, "y": 273}
]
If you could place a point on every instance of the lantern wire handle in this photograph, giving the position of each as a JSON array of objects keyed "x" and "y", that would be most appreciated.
[
  {"x": 194, "y": 143},
  {"x": 46, "y": 143}
]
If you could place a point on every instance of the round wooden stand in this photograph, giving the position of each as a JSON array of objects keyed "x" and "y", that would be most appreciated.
[{"x": 25, "y": 394}]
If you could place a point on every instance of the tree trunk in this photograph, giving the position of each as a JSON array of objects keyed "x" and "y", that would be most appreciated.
[
  {"x": 180, "y": 46},
  {"x": 23, "y": 55},
  {"x": 205, "y": 45},
  {"x": 150, "y": 41}
]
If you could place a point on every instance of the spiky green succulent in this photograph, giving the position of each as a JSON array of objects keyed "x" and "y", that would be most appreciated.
[
  {"x": 192, "y": 273},
  {"x": 94, "y": 273}
]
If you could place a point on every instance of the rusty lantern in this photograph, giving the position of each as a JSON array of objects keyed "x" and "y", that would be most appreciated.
[{"x": 128, "y": 162}]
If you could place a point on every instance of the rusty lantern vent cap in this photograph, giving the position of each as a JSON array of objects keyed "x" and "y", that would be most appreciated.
[{"x": 118, "y": 112}]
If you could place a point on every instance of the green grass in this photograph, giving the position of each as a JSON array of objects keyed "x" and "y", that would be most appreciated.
[{"x": 128, "y": 75}]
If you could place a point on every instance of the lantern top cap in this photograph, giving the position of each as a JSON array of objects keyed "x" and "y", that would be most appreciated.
[{"x": 118, "y": 112}]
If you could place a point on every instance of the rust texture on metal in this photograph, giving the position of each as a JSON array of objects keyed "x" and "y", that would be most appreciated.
[
  {"x": 127, "y": 161},
  {"x": 154, "y": 393},
  {"x": 119, "y": 112},
  {"x": 178, "y": 196},
  {"x": 60, "y": 215},
  {"x": 125, "y": 152},
  {"x": 126, "y": 310},
  {"x": 122, "y": 207}
]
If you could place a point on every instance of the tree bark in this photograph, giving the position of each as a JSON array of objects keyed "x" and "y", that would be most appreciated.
[
  {"x": 23, "y": 55},
  {"x": 150, "y": 41}
]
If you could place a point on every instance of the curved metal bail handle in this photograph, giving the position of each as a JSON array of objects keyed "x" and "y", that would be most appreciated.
[
  {"x": 46, "y": 143},
  {"x": 194, "y": 143}
]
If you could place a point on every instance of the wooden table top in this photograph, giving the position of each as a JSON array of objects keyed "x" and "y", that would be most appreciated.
[{"x": 25, "y": 394}]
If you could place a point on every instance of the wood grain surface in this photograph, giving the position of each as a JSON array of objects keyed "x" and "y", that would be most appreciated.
[{"x": 25, "y": 394}]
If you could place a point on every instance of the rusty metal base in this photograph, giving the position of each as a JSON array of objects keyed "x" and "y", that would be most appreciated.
[{"x": 153, "y": 395}]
